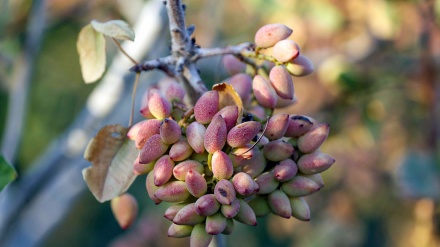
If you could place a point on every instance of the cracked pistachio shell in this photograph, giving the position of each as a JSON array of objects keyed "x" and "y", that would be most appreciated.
[
  {"x": 222, "y": 167},
  {"x": 243, "y": 133},
  {"x": 285, "y": 170},
  {"x": 163, "y": 170},
  {"x": 215, "y": 135},
  {"x": 278, "y": 150},
  {"x": 206, "y": 107},
  {"x": 315, "y": 162}
]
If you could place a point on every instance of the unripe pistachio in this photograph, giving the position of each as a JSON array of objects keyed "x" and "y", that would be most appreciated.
[
  {"x": 264, "y": 92},
  {"x": 152, "y": 188},
  {"x": 279, "y": 204},
  {"x": 244, "y": 184},
  {"x": 317, "y": 178},
  {"x": 256, "y": 164},
  {"x": 300, "y": 66},
  {"x": 147, "y": 129},
  {"x": 269, "y": 35},
  {"x": 174, "y": 191},
  {"x": 229, "y": 226},
  {"x": 278, "y": 150},
  {"x": 215, "y": 135},
  {"x": 222, "y": 167},
  {"x": 300, "y": 209},
  {"x": 207, "y": 205},
  {"x": 181, "y": 169},
  {"x": 233, "y": 65},
  {"x": 282, "y": 82},
  {"x": 298, "y": 126},
  {"x": 141, "y": 169},
  {"x": 285, "y": 170},
  {"x": 195, "y": 133},
  {"x": 315, "y": 162},
  {"x": 180, "y": 150},
  {"x": 260, "y": 206},
  {"x": 188, "y": 216},
  {"x": 313, "y": 138},
  {"x": 242, "y": 83},
  {"x": 172, "y": 210},
  {"x": 124, "y": 208},
  {"x": 199, "y": 236},
  {"x": 153, "y": 149},
  {"x": 215, "y": 224},
  {"x": 300, "y": 186},
  {"x": 246, "y": 215},
  {"x": 224, "y": 192},
  {"x": 243, "y": 133},
  {"x": 285, "y": 50},
  {"x": 179, "y": 231},
  {"x": 230, "y": 211},
  {"x": 206, "y": 107},
  {"x": 277, "y": 126},
  {"x": 267, "y": 183},
  {"x": 240, "y": 157},
  {"x": 163, "y": 170},
  {"x": 196, "y": 183},
  {"x": 230, "y": 115},
  {"x": 159, "y": 106},
  {"x": 170, "y": 131}
]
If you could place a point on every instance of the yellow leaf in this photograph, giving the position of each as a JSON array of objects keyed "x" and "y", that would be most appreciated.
[
  {"x": 115, "y": 29},
  {"x": 228, "y": 96},
  {"x": 91, "y": 50},
  {"x": 112, "y": 155}
]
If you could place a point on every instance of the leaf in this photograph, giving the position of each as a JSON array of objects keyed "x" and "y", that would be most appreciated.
[
  {"x": 228, "y": 96},
  {"x": 112, "y": 155},
  {"x": 7, "y": 173},
  {"x": 91, "y": 50},
  {"x": 115, "y": 29}
]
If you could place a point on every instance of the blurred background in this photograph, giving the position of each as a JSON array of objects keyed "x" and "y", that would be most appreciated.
[{"x": 377, "y": 82}]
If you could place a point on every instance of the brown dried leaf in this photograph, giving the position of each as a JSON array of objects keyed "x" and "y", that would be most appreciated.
[
  {"x": 112, "y": 155},
  {"x": 91, "y": 50},
  {"x": 228, "y": 96}
]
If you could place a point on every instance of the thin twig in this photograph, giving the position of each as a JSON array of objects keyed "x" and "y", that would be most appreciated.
[
  {"x": 136, "y": 83},
  {"x": 123, "y": 51}
]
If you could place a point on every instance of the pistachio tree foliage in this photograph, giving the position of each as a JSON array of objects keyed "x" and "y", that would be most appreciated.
[{"x": 220, "y": 156}]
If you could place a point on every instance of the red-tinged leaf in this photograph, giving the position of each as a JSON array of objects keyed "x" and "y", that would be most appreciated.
[
  {"x": 228, "y": 96},
  {"x": 112, "y": 155}
]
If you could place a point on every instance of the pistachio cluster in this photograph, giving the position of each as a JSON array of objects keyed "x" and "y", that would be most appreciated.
[{"x": 221, "y": 162}]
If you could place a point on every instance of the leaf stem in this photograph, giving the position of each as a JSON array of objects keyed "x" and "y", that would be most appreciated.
[
  {"x": 136, "y": 82},
  {"x": 123, "y": 51}
]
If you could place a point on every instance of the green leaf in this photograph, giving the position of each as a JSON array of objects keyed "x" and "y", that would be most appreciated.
[
  {"x": 91, "y": 50},
  {"x": 7, "y": 173},
  {"x": 115, "y": 29},
  {"x": 112, "y": 155}
]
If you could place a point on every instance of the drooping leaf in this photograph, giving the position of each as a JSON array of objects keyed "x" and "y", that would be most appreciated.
[
  {"x": 91, "y": 50},
  {"x": 115, "y": 29},
  {"x": 7, "y": 173},
  {"x": 112, "y": 155},
  {"x": 228, "y": 96}
]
